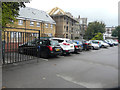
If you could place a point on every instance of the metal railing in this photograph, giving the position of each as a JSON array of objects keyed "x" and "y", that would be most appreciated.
[{"x": 12, "y": 43}]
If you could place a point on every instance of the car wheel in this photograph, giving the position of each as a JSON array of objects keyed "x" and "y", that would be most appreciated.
[
  {"x": 102, "y": 46},
  {"x": 92, "y": 48},
  {"x": 44, "y": 55}
]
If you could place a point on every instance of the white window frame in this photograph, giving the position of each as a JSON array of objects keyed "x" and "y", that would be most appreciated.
[
  {"x": 38, "y": 24},
  {"x": 51, "y": 26},
  {"x": 31, "y": 23},
  {"x": 20, "y": 22},
  {"x": 46, "y": 25}
]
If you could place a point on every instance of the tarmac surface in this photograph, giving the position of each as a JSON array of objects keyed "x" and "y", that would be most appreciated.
[{"x": 89, "y": 69}]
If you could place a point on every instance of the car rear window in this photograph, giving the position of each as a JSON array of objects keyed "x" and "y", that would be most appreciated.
[
  {"x": 54, "y": 43},
  {"x": 60, "y": 41},
  {"x": 95, "y": 42},
  {"x": 69, "y": 41}
]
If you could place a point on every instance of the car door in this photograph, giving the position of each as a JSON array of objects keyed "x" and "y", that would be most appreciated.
[{"x": 31, "y": 47}]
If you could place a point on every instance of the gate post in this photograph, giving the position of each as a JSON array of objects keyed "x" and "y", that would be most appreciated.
[
  {"x": 39, "y": 35},
  {"x": 0, "y": 47},
  {"x": 0, "y": 33}
]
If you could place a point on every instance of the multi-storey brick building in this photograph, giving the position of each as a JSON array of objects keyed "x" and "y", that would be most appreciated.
[
  {"x": 66, "y": 25},
  {"x": 35, "y": 20}
]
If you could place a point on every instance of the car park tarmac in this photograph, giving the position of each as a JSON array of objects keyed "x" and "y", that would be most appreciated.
[{"x": 88, "y": 69}]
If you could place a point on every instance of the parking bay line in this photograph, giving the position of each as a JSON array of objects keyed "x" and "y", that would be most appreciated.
[{"x": 44, "y": 59}]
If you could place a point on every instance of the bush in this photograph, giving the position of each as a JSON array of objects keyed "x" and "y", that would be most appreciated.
[{"x": 99, "y": 36}]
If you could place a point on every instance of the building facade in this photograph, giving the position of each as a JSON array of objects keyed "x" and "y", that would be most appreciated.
[
  {"x": 83, "y": 26},
  {"x": 66, "y": 25},
  {"x": 33, "y": 20}
]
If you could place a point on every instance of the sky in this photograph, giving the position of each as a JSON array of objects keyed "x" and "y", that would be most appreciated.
[{"x": 95, "y": 10}]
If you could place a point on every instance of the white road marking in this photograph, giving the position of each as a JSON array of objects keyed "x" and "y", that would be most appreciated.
[
  {"x": 61, "y": 56},
  {"x": 85, "y": 84},
  {"x": 45, "y": 59}
]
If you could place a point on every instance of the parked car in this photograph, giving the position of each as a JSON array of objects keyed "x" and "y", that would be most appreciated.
[
  {"x": 86, "y": 45},
  {"x": 109, "y": 42},
  {"x": 114, "y": 42},
  {"x": 103, "y": 44},
  {"x": 79, "y": 43},
  {"x": 94, "y": 45},
  {"x": 65, "y": 44},
  {"x": 97, "y": 42},
  {"x": 44, "y": 48}
]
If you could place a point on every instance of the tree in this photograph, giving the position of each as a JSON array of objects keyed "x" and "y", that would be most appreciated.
[
  {"x": 94, "y": 28},
  {"x": 99, "y": 36},
  {"x": 10, "y": 10},
  {"x": 115, "y": 33}
]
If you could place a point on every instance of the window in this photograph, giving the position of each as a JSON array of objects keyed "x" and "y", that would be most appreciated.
[
  {"x": 72, "y": 30},
  {"x": 66, "y": 35},
  {"x": 51, "y": 26},
  {"x": 71, "y": 36},
  {"x": 46, "y": 25},
  {"x": 67, "y": 22},
  {"x": 31, "y": 23},
  {"x": 38, "y": 24},
  {"x": 67, "y": 29},
  {"x": 20, "y": 22},
  {"x": 64, "y": 27}
]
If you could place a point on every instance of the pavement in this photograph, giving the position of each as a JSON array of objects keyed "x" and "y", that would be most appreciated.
[{"x": 89, "y": 69}]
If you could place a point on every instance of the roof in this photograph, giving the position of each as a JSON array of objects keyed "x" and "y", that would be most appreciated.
[
  {"x": 59, "y": 12},
  {"x": 35, "y": 15}
]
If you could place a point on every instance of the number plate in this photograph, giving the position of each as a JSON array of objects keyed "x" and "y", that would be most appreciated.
[
  {"x": 71, "y": 46},
  {"x": 57, "y": 49}
]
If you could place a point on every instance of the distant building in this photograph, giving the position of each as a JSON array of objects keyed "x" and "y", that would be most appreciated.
[
  {"x": 66, "y": 25},
  {"x": 83, "y": 26},
  {"x": 108, "y": 32}
]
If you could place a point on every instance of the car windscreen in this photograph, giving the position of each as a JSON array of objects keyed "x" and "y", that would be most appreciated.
[{"x": 54, "y": 43}]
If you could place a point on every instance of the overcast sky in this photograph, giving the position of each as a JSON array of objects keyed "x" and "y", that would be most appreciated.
[{"x": 100, "y": 10}]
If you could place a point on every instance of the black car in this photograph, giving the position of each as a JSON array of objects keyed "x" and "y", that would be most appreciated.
[
  {"x": 86, "y": 45},
  {"x": 42, "y": 48}
]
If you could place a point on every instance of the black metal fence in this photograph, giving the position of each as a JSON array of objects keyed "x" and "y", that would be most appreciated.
[{"x": 11, "y": 43}]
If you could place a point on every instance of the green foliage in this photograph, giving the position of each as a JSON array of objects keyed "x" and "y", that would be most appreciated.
[
  {"x": 115, "y": 33},
  {"x": 99, "y": 36},
  {"x": 94, "y": 28},
  {"x": 117, "y": 29},
  {"x": 10, "y": 10}
]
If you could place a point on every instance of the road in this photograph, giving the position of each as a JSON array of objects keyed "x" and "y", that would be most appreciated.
[{"x": 89, "y": 69}]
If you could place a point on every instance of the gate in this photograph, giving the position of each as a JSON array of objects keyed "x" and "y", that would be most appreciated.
[{"x": 11, "y": 43}]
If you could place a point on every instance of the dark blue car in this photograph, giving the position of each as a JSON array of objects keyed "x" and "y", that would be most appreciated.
[{"x": 79, "y": 43}]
